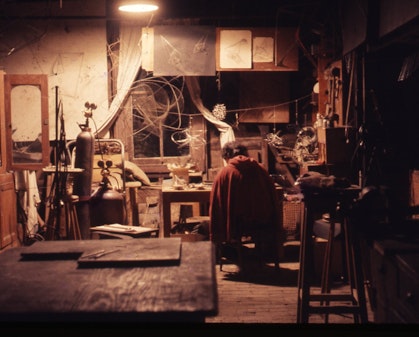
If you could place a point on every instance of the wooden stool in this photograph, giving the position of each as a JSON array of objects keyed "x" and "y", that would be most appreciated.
[
  {"x": 72, "y": 222},
  {"x": 334, "y": 258},
  {"x": 335, "y": 202}
]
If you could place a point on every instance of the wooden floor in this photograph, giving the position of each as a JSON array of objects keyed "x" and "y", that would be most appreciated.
[{"x": 267, "y": 296}]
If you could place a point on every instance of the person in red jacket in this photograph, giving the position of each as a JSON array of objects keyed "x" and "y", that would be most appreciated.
[{"x": 243, "y": 197}]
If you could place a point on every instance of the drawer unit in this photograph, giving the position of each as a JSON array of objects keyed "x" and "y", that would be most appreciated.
[
  {"x": 395, "y": 281},
  {"x": 384, "y": 276},
  {"x": 407, "y": 299}
]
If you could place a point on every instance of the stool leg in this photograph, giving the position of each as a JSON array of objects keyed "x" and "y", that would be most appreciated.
[
  {"x": 327, "y": 262},
  {"x": 134, "y": 206},
  {"x": 355, "y": 274},
  {"x": 75, "y": 223},
  {"x": 220, "y": 255},
  {"x": 306, "y": 262},
  {"x": 67, "y": 227},
  {"x": 71, "y": 220},
  {"x": 300, "y": 271}
]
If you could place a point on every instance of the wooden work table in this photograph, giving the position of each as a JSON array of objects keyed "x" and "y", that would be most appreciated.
[
  {"x": 165, "y": 281},
  {"x": 169, "y": 195}
]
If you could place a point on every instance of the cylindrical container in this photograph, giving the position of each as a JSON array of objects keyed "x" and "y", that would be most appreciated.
[
  {"x": 82, "y": 186},
  {"x": 85, "y": 147},
  {"x": 106, "y": 207}
]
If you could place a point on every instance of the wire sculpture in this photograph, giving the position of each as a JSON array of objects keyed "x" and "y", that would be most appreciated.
[
  {"x": 154, "y": 98},
  {"x": 305, "y": 145}
]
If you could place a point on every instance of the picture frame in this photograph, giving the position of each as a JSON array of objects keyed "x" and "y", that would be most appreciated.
[
  {"x": 27, "y": 126},
  {"x": 256, "y": 49}
]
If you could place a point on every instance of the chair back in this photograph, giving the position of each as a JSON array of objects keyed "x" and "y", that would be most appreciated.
[{"x": 109, "y": 154}]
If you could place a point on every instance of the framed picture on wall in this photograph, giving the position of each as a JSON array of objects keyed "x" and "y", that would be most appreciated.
[
  {"x": 235, "y": 49},
  {"x": 256, "y": 49},
  {"x": 184, "y": 51}
]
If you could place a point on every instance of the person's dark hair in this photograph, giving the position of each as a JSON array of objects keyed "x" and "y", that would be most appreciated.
[{"x": 233, "y": 149}]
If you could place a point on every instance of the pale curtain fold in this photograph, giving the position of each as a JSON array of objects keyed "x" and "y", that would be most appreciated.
[
  {"x": 129, "y": 65},
  {"x": 28, "y": 196},
  {"x": 226, "y": 131}
]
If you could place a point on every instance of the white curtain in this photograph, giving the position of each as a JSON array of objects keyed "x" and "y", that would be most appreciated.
[{"x": 128, "y": 68}]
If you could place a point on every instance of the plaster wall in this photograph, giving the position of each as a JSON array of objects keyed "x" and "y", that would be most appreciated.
[{"x": 73, "y": 55}]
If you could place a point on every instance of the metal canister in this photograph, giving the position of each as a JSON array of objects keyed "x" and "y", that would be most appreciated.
[
  {"x": 106, "y": 207},
  {"x": 82, "y": 186},
  {"x": 85, "y": 146}
]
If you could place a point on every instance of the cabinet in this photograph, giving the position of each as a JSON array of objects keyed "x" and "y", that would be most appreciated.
[
  {"x": 395, "y": 277},
  {"x": 8, "y": 214},
  {"x": 2, "y": 125},
  {"x": 24, "y": 140},
  {"x": 8, "y": 217}
]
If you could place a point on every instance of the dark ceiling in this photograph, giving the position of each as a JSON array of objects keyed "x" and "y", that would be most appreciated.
[
  {"x": 215, "y": 12},
  {"x": 249, "y": 13},
  {"x": 314, "y": 18}
]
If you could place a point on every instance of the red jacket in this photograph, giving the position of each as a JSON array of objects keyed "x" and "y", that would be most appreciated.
[{"x": 243, "y": 193}]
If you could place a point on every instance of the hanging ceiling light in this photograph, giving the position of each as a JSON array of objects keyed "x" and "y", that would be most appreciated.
[{"x": 138, "y": 6}]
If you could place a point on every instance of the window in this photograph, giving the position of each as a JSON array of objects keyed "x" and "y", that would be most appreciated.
[
  {"x": 166, "y": 128},
  {"x": 159, "y": 118}
]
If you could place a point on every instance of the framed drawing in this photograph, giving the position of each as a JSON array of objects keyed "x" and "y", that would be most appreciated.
[
  {"x": 235, "y": 49},
  {"x": 256, "y": 49},
  {"x": 263, "y": 49},
  {"x": 183, "y": 50}
]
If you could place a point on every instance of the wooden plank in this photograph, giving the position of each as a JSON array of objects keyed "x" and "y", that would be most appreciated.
[
  {"x": 129, "y": 252},
  {"x": 123, "y": 229}
]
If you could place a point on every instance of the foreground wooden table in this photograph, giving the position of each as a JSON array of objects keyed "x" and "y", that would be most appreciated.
[{"x": 52, "y": 285}]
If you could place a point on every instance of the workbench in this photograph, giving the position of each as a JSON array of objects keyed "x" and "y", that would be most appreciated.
[{"x": 140, "y": 280}]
